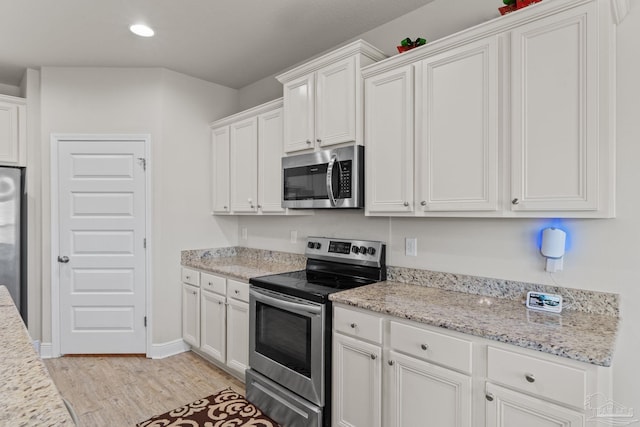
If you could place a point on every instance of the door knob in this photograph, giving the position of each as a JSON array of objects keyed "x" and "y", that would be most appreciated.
[{"x": 63, "y": 259}]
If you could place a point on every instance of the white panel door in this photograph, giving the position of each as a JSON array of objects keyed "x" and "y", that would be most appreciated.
[
  {"x": 101, "y": 254},
  {"x": 457, "y": 129},
  {"x": 336, "y": 103},
  {"x": 507, "y": 408},
  {"x": 421, "y": 391},
  {"x": 299, "y": 114},
  {"x": 555, "y": 112},
  {"x": 389, "y": 135},
  {"x": 237, "y": 335},
  {"x": 213, "y": 325},
  {"x": 220, "y": 174},
  {"x": 269, "y": 155},
  {"x": 244, "y": 166},
  {"x": 191, "y": 314}
]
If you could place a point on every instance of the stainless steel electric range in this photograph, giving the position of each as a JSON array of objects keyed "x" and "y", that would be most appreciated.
[{"x": 290, "y": 328}]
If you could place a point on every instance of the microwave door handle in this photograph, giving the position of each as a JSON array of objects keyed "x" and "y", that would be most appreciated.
[
  {"x": 277, "y": 302},
  {"x": 332, "y": 163}
]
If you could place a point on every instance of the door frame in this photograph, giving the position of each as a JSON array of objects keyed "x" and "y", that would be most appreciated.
[{"x": 55, "y": 229}]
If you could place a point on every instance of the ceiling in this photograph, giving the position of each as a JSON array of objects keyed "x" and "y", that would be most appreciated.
[{"x": 229, "y": 42}]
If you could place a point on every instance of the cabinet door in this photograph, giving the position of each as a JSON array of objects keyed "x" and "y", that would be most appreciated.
[
  {"x": 457, "y": 129},
  {"x": 389, "y": 134},
  {"x": 191, "y": 315},
  {"x": 213, "y": 326},
  {"x": 554, "y": 112},
  {"x": 244, "y": 165},
  {"x": 507, "y": 408},
  {"x": 357, "y": 383},
  {"x": 421, "y": 391},
  {"x": 270, "y": 161},
  {"x": 12, "y": 133},
  {"x": 220, "y": 173},
  {"x": 237, "y": 335},
  {"x": 299, "y": 112},
  {"x": 336, "y": 103}
]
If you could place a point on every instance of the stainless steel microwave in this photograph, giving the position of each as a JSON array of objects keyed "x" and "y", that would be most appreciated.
[{"x": 325, "y": 179}]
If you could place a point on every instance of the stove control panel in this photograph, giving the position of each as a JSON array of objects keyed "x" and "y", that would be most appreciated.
[{"x": 362, "y": 252}]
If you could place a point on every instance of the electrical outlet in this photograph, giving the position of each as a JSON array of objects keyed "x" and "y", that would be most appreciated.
[
  {"x": 293, "y": 238},
  {"x": 411, "y": 246},
  {"x": 243, "y": 233}
]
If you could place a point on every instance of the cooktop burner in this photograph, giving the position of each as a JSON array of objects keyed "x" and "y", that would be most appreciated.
[{"x": 333, "y": 265}]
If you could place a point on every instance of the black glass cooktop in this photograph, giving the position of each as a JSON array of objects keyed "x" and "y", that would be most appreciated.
[{"x": 310, "y": 285}]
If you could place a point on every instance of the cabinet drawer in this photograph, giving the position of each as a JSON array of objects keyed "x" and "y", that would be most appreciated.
[
  {"x": 238, "y": 290},
  {"x": 214, "y": 283},
  {"x": 190, "y": 276},
  {"x": 551, "y": 380},
  {"x": 358, "y": 324},
  {"x": 431, "y": 346}
]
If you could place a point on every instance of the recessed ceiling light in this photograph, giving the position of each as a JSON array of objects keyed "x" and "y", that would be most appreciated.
[{"x": 142, "y": 30}]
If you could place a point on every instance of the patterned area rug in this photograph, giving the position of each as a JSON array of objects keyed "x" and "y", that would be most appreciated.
[{"x": 223, "y": 409}]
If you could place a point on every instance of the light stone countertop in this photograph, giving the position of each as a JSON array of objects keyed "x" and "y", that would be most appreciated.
[
  {"x": 28, "y": 396},
  {"x": 576, "y": 335}
]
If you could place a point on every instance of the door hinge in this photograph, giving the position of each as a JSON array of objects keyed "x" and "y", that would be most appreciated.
[
  {"x": 145, "y": 321},
  {"x": 144, "y": 243},
  {"x": 143, "y": 163}
]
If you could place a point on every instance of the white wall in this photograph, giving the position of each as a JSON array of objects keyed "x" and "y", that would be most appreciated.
[
  {"x": 604, "y": 255},
  {"x": 175, "y": 110}
]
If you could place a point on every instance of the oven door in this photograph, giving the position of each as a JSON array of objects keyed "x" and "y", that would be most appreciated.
[{"x": 286, "y": 342}]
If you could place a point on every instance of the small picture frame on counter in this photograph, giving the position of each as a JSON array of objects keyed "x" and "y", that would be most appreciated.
[{"x": 544, "y": 302}]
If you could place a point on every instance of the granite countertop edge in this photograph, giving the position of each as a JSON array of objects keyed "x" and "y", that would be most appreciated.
[{"x": 492, "y": 318}]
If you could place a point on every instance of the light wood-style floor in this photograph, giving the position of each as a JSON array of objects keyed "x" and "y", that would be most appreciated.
[{"x": 109, "y": 391}]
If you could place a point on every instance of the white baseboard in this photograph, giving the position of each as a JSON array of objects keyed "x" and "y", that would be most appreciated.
[
  {"x": 46, "y": 350},
  {"x": 171, "y": 348}
]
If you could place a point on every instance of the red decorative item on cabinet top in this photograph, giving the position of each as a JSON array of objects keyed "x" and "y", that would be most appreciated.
[{"x": 517, "y": 4}]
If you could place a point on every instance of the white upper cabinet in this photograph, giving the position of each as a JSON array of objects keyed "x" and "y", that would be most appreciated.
[
  {"x": 13, "y": 131},
  {"x": 457, "y": 129},
  {"x": 247, "y": 163},
  {"x": 323, "y": 98},
  {"x": 270, "y": 163},
  {"x": 389, "y": 153},
  {"x": 558, "y": 109},
  {"x": 244, "y": 165},
  {"x": 512, "y": 118},
  {"x": 220, "y": 174}
]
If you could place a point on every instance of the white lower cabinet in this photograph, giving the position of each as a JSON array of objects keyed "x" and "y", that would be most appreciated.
[
  {"x": 391, "y": 372},
  {"x": 507, "y": 408},
  {"x": 215, "y": 323}
]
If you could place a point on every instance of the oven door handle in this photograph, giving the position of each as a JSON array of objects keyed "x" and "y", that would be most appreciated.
[
  {"x": 332, "y": 162},
  {"x": 280, "y": 303}
]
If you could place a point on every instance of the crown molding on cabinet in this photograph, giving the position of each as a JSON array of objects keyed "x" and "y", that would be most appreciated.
[
  {"x": 492, "y": 27},
  {"x": 262, "y": 108},
  {"x": 357, "y": 47}
]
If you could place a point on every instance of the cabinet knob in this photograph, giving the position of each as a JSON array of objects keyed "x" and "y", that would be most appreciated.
[
  {"x": 406, "y": 204},
  {"x": 194, "y": 292},
  {"x": 390, "y": 362},
  {"x": 225, "y": 208},
  {"x": 219, "y": 302},
  {"x": 319, "y": 140},
  {"x": 373, "y": 357},
  {"x": 210, "y": 283},
  {"x": 353, "y": 325},
  {"x": 425, "y": 347},
  {"x": 515, "y": 201},
  {"x": 530, "y": 377},
  {"x": 489, "y": 397},
  {"x": 423, "y": 203},
  {"x": 308, "y": 141},
  {"x": 188, "y": 277},
  {"x": 259, "y": 206},
  {"x": 236, "y": 291}
]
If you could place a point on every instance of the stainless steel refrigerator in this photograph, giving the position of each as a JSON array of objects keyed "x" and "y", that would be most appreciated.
[{"x": 13, "y": 236}]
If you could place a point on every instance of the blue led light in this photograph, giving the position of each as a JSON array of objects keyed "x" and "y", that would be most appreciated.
[{"x": 555, "y": 223}]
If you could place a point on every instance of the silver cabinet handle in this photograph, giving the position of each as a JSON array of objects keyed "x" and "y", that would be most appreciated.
[
  {"x": 353, "y": 325},
  {"x": 406, "y": 204},
  {"x": 423, "y": 203},
  {"x": 259, "y": 206},
  {"x": 390, "y": 362},
  {"x": 373, "y": 357},
  {"x": 308, "y": 141},
  {"x": 515, "y": 201},
  {"x": 530, "y": 377},
  {"x": 63, "y": 259},
  {"x": 319, "y": 140},
  {"x": 236, "y": 292},
  {"x": 489, "y": 397},
  {"x": 425, "y": 347}
]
